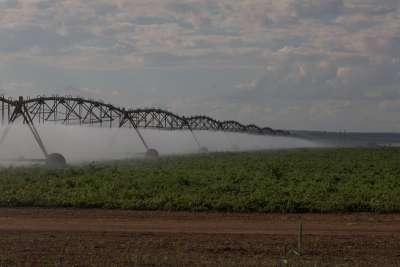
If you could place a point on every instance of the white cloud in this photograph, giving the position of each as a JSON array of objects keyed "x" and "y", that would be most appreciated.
[{"x": 310, "y": 50}]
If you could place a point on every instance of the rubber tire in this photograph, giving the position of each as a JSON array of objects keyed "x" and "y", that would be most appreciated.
[
  {"x": 56, "y": 161},
  {"x": 152, "y": 154}
]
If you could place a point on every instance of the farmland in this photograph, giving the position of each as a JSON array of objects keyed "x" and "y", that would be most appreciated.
[
  {"x": 303, "y": 180},
  {"x": 99, "y": 237}
]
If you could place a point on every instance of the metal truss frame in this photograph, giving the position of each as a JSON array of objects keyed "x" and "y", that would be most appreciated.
[{"x": 70, "y": 110}]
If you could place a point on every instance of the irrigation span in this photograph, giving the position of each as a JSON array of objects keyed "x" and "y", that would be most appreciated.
[{"x": 70, "y": 110}]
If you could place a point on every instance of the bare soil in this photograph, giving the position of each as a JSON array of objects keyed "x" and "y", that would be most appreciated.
[{"x": 72, "y": 237}]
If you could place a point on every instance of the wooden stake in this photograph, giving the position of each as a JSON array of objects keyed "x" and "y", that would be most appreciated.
[{"x": 300, "y": 239}]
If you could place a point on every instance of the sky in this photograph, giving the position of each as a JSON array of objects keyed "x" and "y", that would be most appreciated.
[{"x": 292, "y": 64}]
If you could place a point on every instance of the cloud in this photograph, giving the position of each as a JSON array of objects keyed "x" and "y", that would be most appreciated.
[
  {"x": 284, "y": 54},
  {"x": 194, "y": 29},
  {"x": 8, "y": 4},
  {"x": 16, "y": 88},
  {"x": 324, "y": 10}
]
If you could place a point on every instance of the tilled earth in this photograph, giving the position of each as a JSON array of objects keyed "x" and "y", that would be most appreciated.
[{"x": 72, "y": 237}]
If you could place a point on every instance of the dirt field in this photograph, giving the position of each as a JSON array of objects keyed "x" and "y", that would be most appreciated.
[{"x": 67, "y": 237}]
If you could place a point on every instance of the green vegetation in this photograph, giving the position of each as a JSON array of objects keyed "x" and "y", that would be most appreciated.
[{"x": 306, "y": 180}]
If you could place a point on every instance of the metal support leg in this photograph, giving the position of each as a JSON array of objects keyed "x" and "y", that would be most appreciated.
[
  {"x": 195, "y": 138},
  {"x": 5, "y": 133},
  {"x": 150, "y": 153},
  {"x": 139, "y": 133},
  {"x": 21, "y": 110},
  {"x": 202, "y": 149},
  {"x": 54, "y": 160},
  {"x": 34, "y": 131},
  {"x": 141, "y": 138},
  {"x": 128, "y": 118}
]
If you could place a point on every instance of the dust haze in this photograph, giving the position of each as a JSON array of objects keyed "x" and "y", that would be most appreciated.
[{"x": 80, "y": 144}]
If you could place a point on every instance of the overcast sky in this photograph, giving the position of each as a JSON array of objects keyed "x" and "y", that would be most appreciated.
[{"x": 294, "y": 64}]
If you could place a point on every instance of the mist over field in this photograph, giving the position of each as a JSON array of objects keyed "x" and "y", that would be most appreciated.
[
  {"x": 83, "y": 144},
  {"x": 286, "y": 109}
]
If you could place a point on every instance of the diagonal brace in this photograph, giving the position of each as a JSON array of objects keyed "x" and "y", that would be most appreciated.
[
  {"x": 21, "y": 110},
  {"x": 128, "y": 118}
]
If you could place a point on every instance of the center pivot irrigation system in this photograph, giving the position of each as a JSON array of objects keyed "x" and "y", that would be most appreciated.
[{"x": 68, "y": 110}]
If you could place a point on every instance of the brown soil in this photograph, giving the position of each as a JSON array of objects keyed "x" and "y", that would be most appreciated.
[{"x": 70, "y": 237}]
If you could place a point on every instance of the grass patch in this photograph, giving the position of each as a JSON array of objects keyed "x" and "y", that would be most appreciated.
[{"x": 304, "y": 180}]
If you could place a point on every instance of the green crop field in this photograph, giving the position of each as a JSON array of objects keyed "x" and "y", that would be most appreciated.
[{"x": 304, "y": 180}]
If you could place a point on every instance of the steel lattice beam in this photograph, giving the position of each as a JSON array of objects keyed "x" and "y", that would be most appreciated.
[{"x": 79, "y": 111}]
